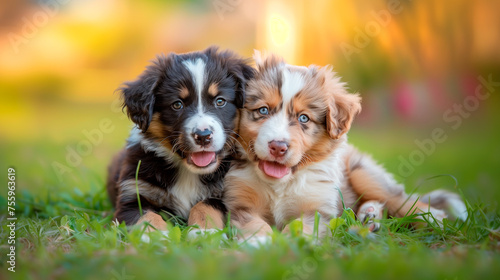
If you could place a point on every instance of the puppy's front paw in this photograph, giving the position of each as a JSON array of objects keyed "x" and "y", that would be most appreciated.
[
  {"x": 257, "y": 241},
  {"x": 369, "y": 212},
  {"x": 147, "y": 239},
  {"x": 438, "y": 214}
]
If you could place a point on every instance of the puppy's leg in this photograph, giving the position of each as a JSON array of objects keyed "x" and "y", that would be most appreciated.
[
  {"x": 254, "y": 230},
  {"x": 397, "y": 202},
  {"x": 208, "y": 215},
  {"x": 153, "y": 221},
  {"x": 373, "y": 182},
  {"x": 370, "y": 211},
  {"x": 247, "y": 210},
  {"x": 127, "y": 210}
]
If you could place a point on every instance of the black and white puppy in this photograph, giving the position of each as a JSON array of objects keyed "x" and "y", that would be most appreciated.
[{"x": 185, "y": 107}]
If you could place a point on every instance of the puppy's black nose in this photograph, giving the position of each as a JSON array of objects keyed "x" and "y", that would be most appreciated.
[
  {"x": 202, "y": 138},
  {"x": 278, "y": 148}
]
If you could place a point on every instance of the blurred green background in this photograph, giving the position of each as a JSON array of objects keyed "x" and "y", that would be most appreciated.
[{"x": 417, "y": 65}]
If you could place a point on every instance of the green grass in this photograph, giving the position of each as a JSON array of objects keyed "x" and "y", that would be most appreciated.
[
  {"x": 64, "y": 228},
  {"x": 57, "y": 242}
]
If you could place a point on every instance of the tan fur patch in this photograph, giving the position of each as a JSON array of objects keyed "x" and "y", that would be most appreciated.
[
  {"x": 248, "y": 131},
  {"x": 256, "y": 226},
  {"x": 206, "y": 216},
  {"x": 253, "y": 225},
  {"x": 272, "y": 98},
  {"x": 319, "y": 151},
  {"x": 364, "y": 185},
  {"x": 244, "y": 202},
  {"x": 155, "y": 221},
  {"x": 213, "y": 90},
  {"x": 249, "y": 212},
  {"x": 242, "y": 197},
  {"x": 157, "y": 131},
  {"x": 184, "y": 93},
  {"x": 156, "y": 128}
]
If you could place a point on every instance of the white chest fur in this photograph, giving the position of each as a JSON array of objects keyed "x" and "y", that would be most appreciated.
[{"x": 187, "y": 191}]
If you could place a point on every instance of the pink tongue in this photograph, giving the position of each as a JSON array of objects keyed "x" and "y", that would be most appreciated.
[
  {"x": 274, "y": 169},
  {"x": 202, "y": 159}
]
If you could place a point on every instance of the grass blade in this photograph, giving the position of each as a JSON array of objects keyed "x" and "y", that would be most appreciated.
[{"x": 137, "y": 187}]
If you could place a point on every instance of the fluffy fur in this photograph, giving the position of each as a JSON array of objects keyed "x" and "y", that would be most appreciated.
[
  {"x": 293, "y": 131},
  {"x": 185, "y": 110}
]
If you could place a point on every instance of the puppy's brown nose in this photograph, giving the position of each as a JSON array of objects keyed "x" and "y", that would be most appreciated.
[
  {"x": 202, "y": 137},
  {"x": 278, "y": 148}
]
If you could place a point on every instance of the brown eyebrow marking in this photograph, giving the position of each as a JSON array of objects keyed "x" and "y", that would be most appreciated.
[
  {"x": 184, "y": 93},
  {"x": 213, "y": 89}
]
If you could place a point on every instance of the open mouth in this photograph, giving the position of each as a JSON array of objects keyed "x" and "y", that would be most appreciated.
[
  {"x": 274, "y": 169},
  {"x": 202, "y": 159}
]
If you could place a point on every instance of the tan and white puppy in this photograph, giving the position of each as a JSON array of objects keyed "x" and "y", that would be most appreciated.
[{"x": 293, "y": 130}]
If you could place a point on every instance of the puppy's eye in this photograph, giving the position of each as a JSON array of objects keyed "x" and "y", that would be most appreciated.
[
  {"x": 177, "y": 105},
  {"x": 220, "y": 102},
  {"x": 303, "y": 118},
  {"x": 263, "y": 111}
]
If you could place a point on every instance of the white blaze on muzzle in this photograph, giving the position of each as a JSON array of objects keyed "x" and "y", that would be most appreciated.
[
  {"x": 274, "y": 129},
  {"x": 202, "y": 122}
]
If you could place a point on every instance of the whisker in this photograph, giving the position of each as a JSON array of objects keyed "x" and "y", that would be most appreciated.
[{"x": 174, "y": 134}]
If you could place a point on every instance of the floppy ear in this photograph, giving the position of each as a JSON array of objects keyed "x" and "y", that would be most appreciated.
[
  {"x": 342, "y": 109},
  {"x": 139, "y": 97}
]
